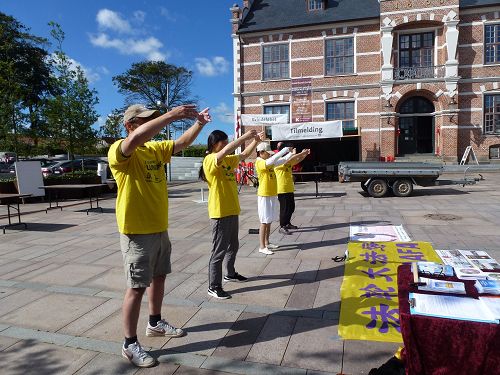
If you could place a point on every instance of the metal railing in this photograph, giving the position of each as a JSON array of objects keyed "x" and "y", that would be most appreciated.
[{"x": 419, "y": 72}]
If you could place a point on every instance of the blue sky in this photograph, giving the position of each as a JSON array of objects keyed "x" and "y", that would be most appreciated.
[{"x": 106, "y": 37}]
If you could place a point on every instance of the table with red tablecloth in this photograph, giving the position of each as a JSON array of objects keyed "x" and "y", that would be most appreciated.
[{"x": 437, "y": 346}]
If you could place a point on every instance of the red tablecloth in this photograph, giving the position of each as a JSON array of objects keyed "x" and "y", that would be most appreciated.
[{"x": 435, "y": 346}]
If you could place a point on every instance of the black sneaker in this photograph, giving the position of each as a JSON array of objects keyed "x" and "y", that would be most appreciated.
[
  {"x": 291, "y": 226},
  {"x": 218, "y": 293},
  {"x": 283, "y": 230},
  {"x": 236, "y": 278}
]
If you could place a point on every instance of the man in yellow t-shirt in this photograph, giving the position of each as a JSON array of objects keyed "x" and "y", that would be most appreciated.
[
  {"x": 137, "y": 165},
  {"x": 286, "y": 189},
  {"x": 223, "y": 205}
]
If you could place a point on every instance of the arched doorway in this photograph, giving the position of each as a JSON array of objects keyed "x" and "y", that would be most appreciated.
[{"x": 416, "y": 126}]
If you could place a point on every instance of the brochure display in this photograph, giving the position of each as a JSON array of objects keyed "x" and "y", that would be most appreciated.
[
  {"x": 471, "y": 264},
  {"x": 378, "y": 233}
]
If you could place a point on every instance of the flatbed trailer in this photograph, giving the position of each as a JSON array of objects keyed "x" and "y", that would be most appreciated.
[{"x": 377, "y": 178}]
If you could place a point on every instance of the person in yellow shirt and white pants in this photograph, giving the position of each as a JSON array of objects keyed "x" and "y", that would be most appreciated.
[
  {"x": 267, "y": 194},
  {"x": 286, "y": 189},
  {"x": 223, "y": 205}
]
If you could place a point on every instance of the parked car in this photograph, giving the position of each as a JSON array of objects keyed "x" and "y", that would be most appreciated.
[
  {"x": 75, "y": 165},
  {"x": 47, "y": 167}
]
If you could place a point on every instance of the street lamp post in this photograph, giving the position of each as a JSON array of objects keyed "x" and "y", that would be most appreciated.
[{"x": 165, "y": 105}]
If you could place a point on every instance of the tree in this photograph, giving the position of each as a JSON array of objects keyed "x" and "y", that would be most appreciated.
[
  {"x": 25, "y": 83},
  {"x": 157, "y": 85},
  {"x": 71, "y": 113},
  {"x": 113, "y": 128}
]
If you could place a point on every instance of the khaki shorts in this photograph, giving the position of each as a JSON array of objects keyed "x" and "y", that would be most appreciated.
[{"x": 145, "y": 256}]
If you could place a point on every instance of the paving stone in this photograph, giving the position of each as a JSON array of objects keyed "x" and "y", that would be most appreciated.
[
  {"x": 69, "y": 274},
  {"x": 374, "y": 354},
  {"x": 93, "y": 317},
  {"x": 281, "y": 268},
  {"x": 242, "y": 335},
  {"x": 261, "y": 291},
  {"x": 6, "y": 342},
  {"x": 32, "y": 357},
  {"x": 58, "y": 311},
  {"x": 101, "y": 346},
  {"x": 313, "y": 345},
  {"x": 303, "y": 295},
  {"x": 328, "y": 295},
  {"x": 272, "y": 341},
  {"x": 248, "y": 368},
  {"x": 189, "y": 286},
  {"x": 204, "y": 331},
  {"x": 197, "y": 371},
  {"x": 308, "y": 269},
  {"x": 183, "y": 359},
  {"x": 109, "y": 280},
  {"x": 107, "y": 364},
  {"x": 33, "y": 334},
  {"x": 19, "y": 299},
  {"x": 4, "y": 291}
]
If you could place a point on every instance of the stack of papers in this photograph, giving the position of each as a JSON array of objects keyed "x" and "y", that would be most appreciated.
[
  {"x": 434, "y": 269},
  {"x": 442, "y": 286},
  {"x": 488, "y": 286},
  {"x": 471, "y": 264},
  {"x": 451, "y": 307}
]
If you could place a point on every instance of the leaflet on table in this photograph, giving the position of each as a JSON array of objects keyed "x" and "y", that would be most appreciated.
[
  {"x": 481, "y": 260},
  {"x": 463, "y": 268},
  {"x": 434, "y": 269},
  {"x": 441, "y": 286},
  {"x": 493, "y": 303},
  {"x": 488, "y": 286},
  {"x": 451, "y": 307}
]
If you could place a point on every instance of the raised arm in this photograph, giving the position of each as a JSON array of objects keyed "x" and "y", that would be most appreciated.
[
  {"x": 145, "y": 132},
  {"x": 297, "y": 158},
  {"x": 230, "y": 147},
  {"x": 248, "y": 150},
  {"x": 273, "y": 160},
  {"x": 190, "y": 135}
]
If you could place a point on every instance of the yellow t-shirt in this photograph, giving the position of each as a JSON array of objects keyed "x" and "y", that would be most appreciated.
[
  {"x": 142, "y": 201},
  {"x": 268, "y": 186},
  {"x": 223, "y": 193},
  {"x": 285, "y": 178}
]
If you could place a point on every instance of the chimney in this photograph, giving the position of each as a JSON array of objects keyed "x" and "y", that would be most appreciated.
[{"x": 235, "y": 17}]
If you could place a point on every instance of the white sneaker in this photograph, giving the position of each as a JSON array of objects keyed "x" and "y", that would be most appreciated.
[
  {"x": 266, "y": 251},
  {"x": 272, "y": 246},
  {"x": 163, "y": 329},
  {"x": 138, "y": 356}
]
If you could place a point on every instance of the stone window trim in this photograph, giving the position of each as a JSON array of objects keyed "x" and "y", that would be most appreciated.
[
  {"x": 491, "y": 114},
  {"x": 351, "y": 121},
  {"x": 423, "y": 30},
  {"x": 336, "y": 38},
  {"x": 281, "y": 60},
  {"x": 494, "y": 28}
]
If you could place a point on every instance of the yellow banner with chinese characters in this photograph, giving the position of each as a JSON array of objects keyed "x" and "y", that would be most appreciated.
[{"x": 369, "y": 292}]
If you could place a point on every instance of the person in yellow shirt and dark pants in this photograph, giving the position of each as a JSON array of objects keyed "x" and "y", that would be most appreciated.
[
  {"x": 286, "y": 190},
  {"x": 137, "y": 165},
  {"x": 218, "y": 171},
  {"x": 267, "y": 194}
]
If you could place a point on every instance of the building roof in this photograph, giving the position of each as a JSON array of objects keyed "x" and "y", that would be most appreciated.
[{"x": 280, "y": 14}]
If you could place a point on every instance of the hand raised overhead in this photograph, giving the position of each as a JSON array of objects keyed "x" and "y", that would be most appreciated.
[
  {"x": 204, "y": 117},
  {"x": 187, "y": 111}
]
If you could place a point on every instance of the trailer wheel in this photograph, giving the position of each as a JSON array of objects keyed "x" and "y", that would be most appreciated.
[
  {"x": 377, "y": 188},
  {"x": 363, "y": 186},
  {"x": 402, "y": 188}
]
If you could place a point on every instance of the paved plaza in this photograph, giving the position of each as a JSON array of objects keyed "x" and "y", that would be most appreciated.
[{"x": 62, "y": 283}]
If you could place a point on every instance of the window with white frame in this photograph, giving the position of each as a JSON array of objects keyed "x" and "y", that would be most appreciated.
[
  {"x": 315, "y": 4},
  {"x": 495, "y": 152},
  {"x": 341, "y": 111},
  {"x": 275, "y": 61},
  {"x": 492, "y": 114},
  {"x": 339, "y": 56},
  {"x": 281, "y": 109},
  {"x": 492, "y": 44},
  {"x": 416, "y": 50}
]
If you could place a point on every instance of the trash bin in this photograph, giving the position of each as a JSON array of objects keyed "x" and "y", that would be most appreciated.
[{"x": 102, "y": 170}]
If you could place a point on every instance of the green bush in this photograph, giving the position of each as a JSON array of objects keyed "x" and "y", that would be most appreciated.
[
  {"x": 193, "y": 151},
  {"x": 73, "y": 175},
  {"x": 8, "y": 179}
]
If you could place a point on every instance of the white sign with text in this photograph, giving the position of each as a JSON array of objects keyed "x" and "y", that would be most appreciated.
[
  {"x": 247, "y": 120},
  {"x": 307, "y": 130}
]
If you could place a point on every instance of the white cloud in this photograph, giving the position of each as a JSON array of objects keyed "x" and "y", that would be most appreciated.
[
  {"x": 148, "y": 47},
  {"x": 108, "y": 19},
  {"x": 139, "y": 16},
  {"x": 210, "y": 68},
  {"x": 223, "y": 113},
  {"x": 168, "y": 15},
  {"x": 91, "y": 74}
]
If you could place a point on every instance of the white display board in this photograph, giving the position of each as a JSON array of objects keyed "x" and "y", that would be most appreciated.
[
  {"x": 307, "y": 130},
  {"x": 29, "y": 178}
]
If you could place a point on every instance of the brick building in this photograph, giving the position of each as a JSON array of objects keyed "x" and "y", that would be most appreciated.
[{"x": 411, "y": 77}]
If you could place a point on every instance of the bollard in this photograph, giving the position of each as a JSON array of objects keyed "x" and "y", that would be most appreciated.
[{"x": 202, "y": 195}]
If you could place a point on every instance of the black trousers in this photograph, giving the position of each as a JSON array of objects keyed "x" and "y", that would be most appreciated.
[{"x": 287, "y": 207}]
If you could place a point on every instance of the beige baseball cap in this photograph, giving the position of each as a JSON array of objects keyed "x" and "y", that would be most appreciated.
[
  {"x": 138, "y": 110},
  {"x": 264, "y": 146}
]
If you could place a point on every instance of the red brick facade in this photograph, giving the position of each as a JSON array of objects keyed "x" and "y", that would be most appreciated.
[{"x": 457, "y": 92}]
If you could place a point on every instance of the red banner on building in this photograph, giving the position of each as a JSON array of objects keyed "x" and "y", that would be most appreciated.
[{"x": 301, "y": 100}]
